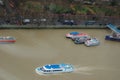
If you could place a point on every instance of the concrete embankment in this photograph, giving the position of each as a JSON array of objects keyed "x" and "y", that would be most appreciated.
[{"x": 52, "y": 27}]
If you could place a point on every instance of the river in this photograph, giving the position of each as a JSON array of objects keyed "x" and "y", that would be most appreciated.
[{"x": 34, "y": 48}]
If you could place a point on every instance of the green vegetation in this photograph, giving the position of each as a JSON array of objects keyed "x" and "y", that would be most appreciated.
[
  {"x": 59, "y": 9},
  {"x": 32, "y": 6},
  {"x": 110, "y": 8}
]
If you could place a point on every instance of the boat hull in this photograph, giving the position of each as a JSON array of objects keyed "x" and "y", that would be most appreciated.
[
  {"x": 7, "y": 41},
  {"x": 108, "y": 37},
  {"x": 51, "y": 72}
]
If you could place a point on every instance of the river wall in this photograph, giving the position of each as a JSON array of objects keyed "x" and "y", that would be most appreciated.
[{"x": 52, "y": 26}]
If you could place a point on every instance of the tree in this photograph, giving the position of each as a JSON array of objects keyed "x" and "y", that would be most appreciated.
[
  {"x": 113, "y": 2},
  {"x": 7, "y": 7}
]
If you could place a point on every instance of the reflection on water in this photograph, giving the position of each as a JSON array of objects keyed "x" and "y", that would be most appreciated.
[{"x": 34, "y": 48}]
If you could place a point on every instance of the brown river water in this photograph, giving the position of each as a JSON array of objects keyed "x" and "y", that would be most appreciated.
[{"x": 34, "y": 48}]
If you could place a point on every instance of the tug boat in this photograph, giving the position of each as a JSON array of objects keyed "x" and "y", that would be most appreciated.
[
  {"x": 7, "y": 39},
  {"x": 54, "y": 68}
]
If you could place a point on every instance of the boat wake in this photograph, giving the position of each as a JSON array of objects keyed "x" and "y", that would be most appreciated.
[
  {"x": 89, "y": 70},
  {"x": 85, "y": 70}
]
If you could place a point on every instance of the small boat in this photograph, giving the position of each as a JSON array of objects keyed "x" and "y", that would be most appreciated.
[
  {"x": 7, "y": 39},
  {"x": 113, "y": 37},
  {"x": 92, "y": 42},
  {"x": 54, "y": 68}
]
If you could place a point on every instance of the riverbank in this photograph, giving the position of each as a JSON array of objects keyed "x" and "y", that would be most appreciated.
[{"x": 52, "y": 26}]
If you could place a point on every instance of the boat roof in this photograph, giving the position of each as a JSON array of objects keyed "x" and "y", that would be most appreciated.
[
  {"x": 52, "y": 66},
  {"x": 113, "y": 28},
  {"x": 83, "y": 34},
  {"x": 56, "y": 66},
  {"x": 74, "y": 33}
]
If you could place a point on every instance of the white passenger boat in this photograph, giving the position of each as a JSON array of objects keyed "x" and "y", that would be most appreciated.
[{"x": 54, "y": 68}]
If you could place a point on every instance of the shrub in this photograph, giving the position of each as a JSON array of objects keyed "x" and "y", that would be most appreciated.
[{"x": 59, "y": 9}]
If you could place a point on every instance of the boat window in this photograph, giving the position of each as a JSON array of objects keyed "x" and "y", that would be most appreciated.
[
  {"x": 1, "y": 38},
  {"x": 48, "y": 70},
  {"x": 57, "y": 70},
  {"x": 68, "y": 67},
  {"x": 7, "y": 38},
  {"x": 42, "y": 69},
  {"x": 10, "y": 38}
]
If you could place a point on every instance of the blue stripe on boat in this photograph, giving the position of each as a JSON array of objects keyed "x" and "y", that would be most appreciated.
[
  {"x": 74, "y": 33},
  {"x": 53, "y": 66}
]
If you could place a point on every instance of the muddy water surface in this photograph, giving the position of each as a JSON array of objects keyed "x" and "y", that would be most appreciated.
[{"x": 35, "y": 48}]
